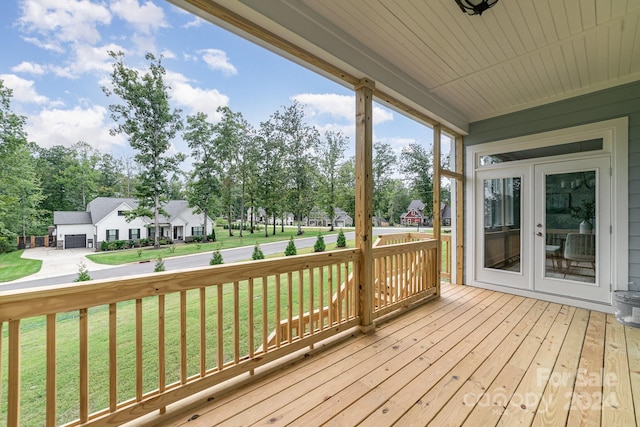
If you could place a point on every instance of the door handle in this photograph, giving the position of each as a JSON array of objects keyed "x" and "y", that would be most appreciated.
[{"x": 538, "y": 234}]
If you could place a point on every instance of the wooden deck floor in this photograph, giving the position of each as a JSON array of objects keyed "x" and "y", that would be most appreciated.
[{"x": 473, "y": 357}]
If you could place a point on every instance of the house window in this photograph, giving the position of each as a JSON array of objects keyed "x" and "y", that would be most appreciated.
[
  {"x": 112, "y": 235},
  {"x": 121, "y": 213},
  {"x": 134, "y": 233},
  {"x": 197, "y": 231}
]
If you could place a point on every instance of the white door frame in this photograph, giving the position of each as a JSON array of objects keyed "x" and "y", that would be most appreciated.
[{"x": 614, "y": 134}]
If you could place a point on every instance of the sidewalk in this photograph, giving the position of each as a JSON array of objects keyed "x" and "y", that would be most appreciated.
[{"x": 57, "y": 262}]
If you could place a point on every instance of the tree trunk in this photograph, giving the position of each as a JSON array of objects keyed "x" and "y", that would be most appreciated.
[
  {"x": 274, "y": 223},
  {"x": 242, "y": 210},
  {"x": 253, "y": 215},
  {"x": 204, "y": 238},
  {"x": 156, "y": 214},
  {"x": 229, "y": 220}
]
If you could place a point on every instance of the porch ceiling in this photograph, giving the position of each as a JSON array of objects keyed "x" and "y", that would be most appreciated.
[{"x": 444, "y": 64}]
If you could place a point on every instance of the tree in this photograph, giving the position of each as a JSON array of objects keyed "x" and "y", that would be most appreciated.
[
  {"x": 416, "y": 164},
  {"x": 270, "y": 177},
  {"x": 83, "y": 273},
  {"x": 247, "y": 162},
  {"x": 111, "y": 178},
  {"x": 146, "y": 117},
  {"x": 301, "y": 141},
  {"x": 331, "y": 153},
  {"x": 383, "y": 162},
  {"x": 257, "y": 253},
  {"x": 345, "y": 186},
  {"x": 291, "y": 248},
  {"x": 20, "y": 190},
  {"x": 81, "y": 176},
  {"x": 216, "y": 258},
  {"x": 319, "y": 246},
  {"x": 341, "y": 241},
  {"x": 204, "y": 184}
]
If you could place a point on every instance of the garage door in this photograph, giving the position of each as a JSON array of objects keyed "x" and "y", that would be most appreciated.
[{"x": 75, "y": 241}]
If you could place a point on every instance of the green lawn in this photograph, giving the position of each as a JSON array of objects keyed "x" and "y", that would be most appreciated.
[
  {"x": 224, "y": 241},
  {"x": 13, "y": 267}
]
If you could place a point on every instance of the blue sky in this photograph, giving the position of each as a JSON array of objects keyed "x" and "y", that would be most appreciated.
[{"x": 54, "y": 58}]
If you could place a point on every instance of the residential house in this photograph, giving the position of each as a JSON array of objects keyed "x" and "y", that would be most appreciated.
[
  {"x": 342, "y": 219},
  {"x": 105, "y": 220},
  {"x": 414, "y": 214}
]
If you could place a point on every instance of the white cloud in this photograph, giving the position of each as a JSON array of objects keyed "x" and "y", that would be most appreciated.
[
  {"x": 28, "y": 68},
  {"x": 338, "y": 107},
  {"x": 66, "y": 127},
  {"x": 217, "y": 60},
  {"x": 196, "y": 22},
  {"x": 23, "y": 90},
  {"x": 63, "y": 21},
  {"x": 194, "y": 99},
  {"x": 145, "y": 18}
]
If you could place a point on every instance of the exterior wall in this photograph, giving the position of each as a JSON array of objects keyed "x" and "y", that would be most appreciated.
[
  {"x": 189, "y": 219},
  {"x": 607, "y": 104},
  {"x": 63, "y": 230},
  {"x": 115, "y": 222}
]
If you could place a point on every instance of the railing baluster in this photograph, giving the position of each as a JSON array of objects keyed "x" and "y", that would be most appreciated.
[
  {"x": 321, "y": 298},
  {"x": 311, "y": 308},
  {"x": 162, "y": 370},
  {"x": 301, "y": 327},
  {"x": 330, "y": 303},
  {"x": 138, "y": 350},
  {"x": 348, "y": 292},
  {"x": 290, "y": 306},
  {"x": 113, "y": 356},
  {"x": 278, "y": 312},
  {"x": 183, "y": 337},
  {"x": 203, "y": 331},
  {"x": 339, "y": 291},
  {"x": 250, "y": 320},
  {"x": 51, "y": 368},
  {"x": 236, "y": 325},
  {"x": 265, "y": 317},
  {"x": 84, "y": 366},
  {"x": 220, "y": 328},
  {"x": 13, "y": 375}
]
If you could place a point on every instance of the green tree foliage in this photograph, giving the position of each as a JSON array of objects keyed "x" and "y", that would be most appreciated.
[
  {"x": 331, "y": 154},
  {"x": 291, "y": 248},
  {"x": 300, "y": 142},
  {"x": 216, "y": 258},
  {"x": 257, "y": 253},
  {"x": 345, "y": 186},
  {"x": 341, "y": 241},
  {"x": 416, "y": 164},
  {"x": 146, "y": 117},
  {"x": 384, "y": 161},
  {"x": 159, "y": 265},
  {"x": 83, "y": 273},
  {"x": 20, "y": 189},
  {"x": 271, "y": 170},
  {"x": 247, "y": 169},
  {"x": 319, "y": 246},
  {"x": 111, "y": 178},
  {"x": 81, "y": 177},
  {"x": 398, "y": 201}
]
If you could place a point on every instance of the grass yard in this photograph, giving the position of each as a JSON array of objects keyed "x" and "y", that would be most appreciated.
[
  {"x": 13, "y": 267},
  {"x": 224, "y": 241}
]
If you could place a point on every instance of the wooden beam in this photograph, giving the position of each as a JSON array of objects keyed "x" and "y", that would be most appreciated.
[{"x": 364, "y": 199}]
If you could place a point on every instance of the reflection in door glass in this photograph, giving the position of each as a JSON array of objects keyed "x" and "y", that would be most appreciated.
[
  {"x": 570, "y": 239},
  {"x": 502, "y": 223}
]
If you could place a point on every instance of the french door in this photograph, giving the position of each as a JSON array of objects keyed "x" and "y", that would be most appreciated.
[{"x": 546, "y": 227}]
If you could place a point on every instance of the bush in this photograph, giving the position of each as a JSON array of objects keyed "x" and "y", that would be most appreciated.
[
  {"x": 83, "y": 273},
  {"x": 120, "y": 244},
  {"x": 291, "y": 248},
  {"x": 139, "y": 252},
  {"x": 7, "y": 244},
  {"x": 159, "y": 265},
  {"x": 341, "y": 242},
  {"x": 144, "y": 242},
  {"x": 216, "y": 259},
  {"x": 112, "y": 246},
  {"x": 257, "y": 252},
  {"x": 212, "y": 236},
  {"x": 319, "y": 246},
  {"x": 104, "y": 246}
]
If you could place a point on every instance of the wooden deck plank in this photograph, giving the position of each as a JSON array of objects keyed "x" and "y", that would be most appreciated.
[
  {"x": 287, "y": 383},
  {"x": 632, "y": 336},
  {"x": 388, "y": 379},
  {"x": 617, "y": 397},
  {"x": 586, "y": 400},
  {"x": 459, "y": 402},
  {"x": 553, "y": 409},
  {"x": 349, "y": 371},
  {"x": 472, "y": 357},
  {"x": 403, "y": 406},
  {"x": 492, "y": 404}
]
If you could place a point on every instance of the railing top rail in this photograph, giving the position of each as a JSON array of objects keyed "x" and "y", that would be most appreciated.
[
  {"x": 20, "y": 304},
  {"x": 399, "y": 248}
]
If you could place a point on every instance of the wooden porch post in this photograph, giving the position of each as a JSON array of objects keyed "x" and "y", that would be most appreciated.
[
  {"x": 364, "y": 197},
  {"x": 459, "y": 212},
  {"x": 437, "y": 164}
]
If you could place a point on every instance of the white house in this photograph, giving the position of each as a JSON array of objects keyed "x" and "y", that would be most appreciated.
[{"x": 105, "y": 220}]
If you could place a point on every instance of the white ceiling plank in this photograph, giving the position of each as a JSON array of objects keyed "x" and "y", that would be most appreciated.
[
  {"x": 580, "y": 50},
  {"x": 545, "y": 17},
  {"x": 588, "y": 13},
  {"x": 569, "y": 54},
  {"x": 561, "y": 69},
  {"x": 560, "y": 19},
  {"x": 615, "y": 43},
  {"x": 630, "y": 25},
  {"x": 574, "y": 16},
  {"x": 635, "y": 51},
  {"x": 533, "y": 23},
  {"x": 619, "y": 7},
  {"x": 603, "y": 12}
]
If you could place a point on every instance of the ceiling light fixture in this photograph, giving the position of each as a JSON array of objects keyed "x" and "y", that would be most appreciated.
[{"x": 475, "y": 7}]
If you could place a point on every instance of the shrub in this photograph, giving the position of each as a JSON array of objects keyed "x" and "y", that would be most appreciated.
[
  {"x": 257, "y": 252},
  {"x": 104, "y": 246},
  {"x": 319, "y": 245},
  {"x": 139, "y": 252},
  {"x": 197, "y": 239},
  {"x": 212, "y": 236},
  {"x": 164, "y": 242},
  {"x": 144, "y": 242},
  {"x": 120, "y": 244},
  {"x": 83, "y": 273},
  {"x": 172, "y": 249},
  {"x": 341, "y": 242},
  {"x": 216, "y": 259},
  {"x": 112, "y": 246},
  {"x": 159, "y": 265},
  {"x": 7, "y": 244},
  {"x": 291, "y": 248}
]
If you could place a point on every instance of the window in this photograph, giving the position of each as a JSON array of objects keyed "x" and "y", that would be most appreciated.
[
  {"x": 121, "y": 213},
  {"x": 197, "y": 231},
  {"x": 134, "y": 233},
  {"x": 112, "y": 235}
]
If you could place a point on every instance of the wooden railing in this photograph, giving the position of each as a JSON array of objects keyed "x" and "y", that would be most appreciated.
[
  {"x": 119, "y": 349},
  {"x": 404, "y": 271},
  {"x": 445, "y": 239}
]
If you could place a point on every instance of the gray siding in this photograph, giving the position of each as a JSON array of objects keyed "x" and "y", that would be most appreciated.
[{"x": 603, "y": 105}]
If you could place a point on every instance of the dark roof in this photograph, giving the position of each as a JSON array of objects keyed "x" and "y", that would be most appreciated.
[
  {"x": 416, "y": 204},
  {"x": 71, "y": 217}
]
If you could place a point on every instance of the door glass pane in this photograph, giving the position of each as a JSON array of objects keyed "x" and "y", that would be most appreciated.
[
  {"x": 570, "y": 218},
  {"x": 502, "y": 217}
]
